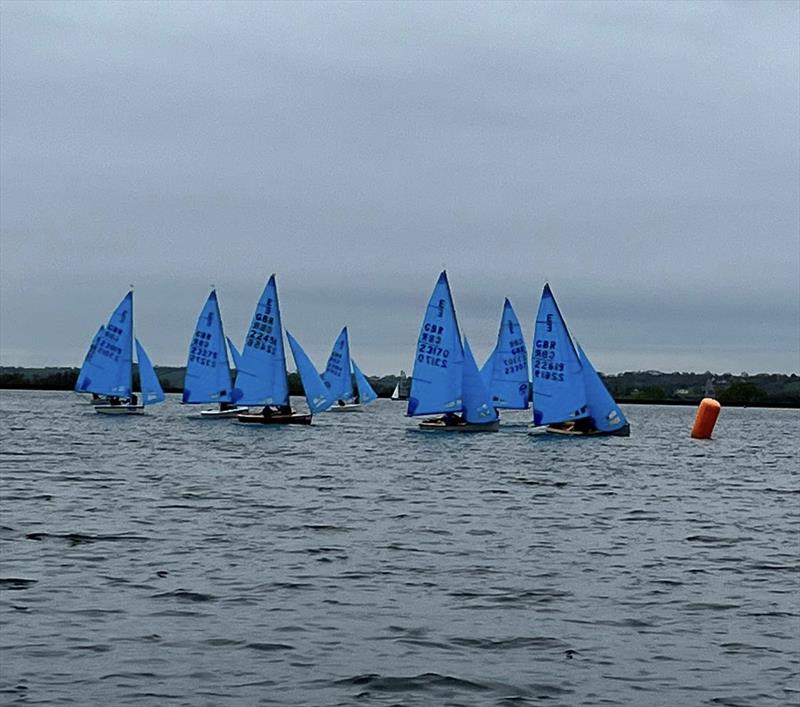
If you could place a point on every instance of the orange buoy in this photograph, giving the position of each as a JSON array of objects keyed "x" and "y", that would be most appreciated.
[{"x": 706, "y": 418}]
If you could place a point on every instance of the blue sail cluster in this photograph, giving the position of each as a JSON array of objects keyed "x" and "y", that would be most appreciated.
[
  {"x": 446, "y": 378},
  {"x": 565, "y": 386}
]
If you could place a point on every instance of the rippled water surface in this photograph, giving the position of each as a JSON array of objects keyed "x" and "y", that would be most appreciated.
[{"x": 168, "y": 560}]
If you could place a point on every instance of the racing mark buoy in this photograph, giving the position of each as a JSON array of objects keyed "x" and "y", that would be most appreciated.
[{"x": 706, "y": 418}]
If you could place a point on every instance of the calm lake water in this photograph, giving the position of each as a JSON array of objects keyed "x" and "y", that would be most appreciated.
[{"x": 167, "y": 560}]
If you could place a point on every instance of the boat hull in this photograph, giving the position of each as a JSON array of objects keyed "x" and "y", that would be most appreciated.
[
  {"x": 438, "y": 425},
  {"x": 222, "y": 414},
  {"x": 624, "y": 431},
  {"x": 293, "y": 419},
  {"x": 108, "y": 409},
  {"x": 353, "y": 407}
]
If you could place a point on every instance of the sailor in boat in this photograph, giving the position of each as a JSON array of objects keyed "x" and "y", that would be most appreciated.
[
  {"x": 227, "y": 406},
  {"x": 276, "y": 410}
]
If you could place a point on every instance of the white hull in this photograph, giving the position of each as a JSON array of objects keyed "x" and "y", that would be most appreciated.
[
  {"x": 350, "y": 407},
  {"x": 221, "y": 414},
  {"x": 119, "y": 409}
]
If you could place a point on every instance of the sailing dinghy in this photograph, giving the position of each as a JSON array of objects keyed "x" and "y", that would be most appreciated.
[
  {"x": 261, "y": 378},
  {"x": 446, "y": 380},
  {"x": 505, "y": 372},
  {"x": 339, "y": 380},
  {"x": 569, "y": 398},
  {"x": 109, "y": 371},
  {"x": 208, "y": 373}
]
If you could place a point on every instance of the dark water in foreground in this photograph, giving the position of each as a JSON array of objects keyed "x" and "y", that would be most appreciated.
[{"x": 163, "y": 560}]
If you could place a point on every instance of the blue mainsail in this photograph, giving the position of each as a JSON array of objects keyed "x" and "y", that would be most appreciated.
[
  {"x": 261, "y": 378},
  {"x": 366, "y": 393},
  {"x": 235, "y": 355},
  {"x": 87, "y": 360},
  {"x": 208, "y": 374},
  {"x": 110, "y": 370},
  {"x": 337, "y": 376},
  {"x": 601, "y": 406},
  {"x": 558, "y": 389},
  {"x": 439, "y": 363},
  {"x": 505, "y": 373},
  {"x": 317, "y": 395},
  {"x": 478, "y": 406},
  {"x": 148, "y": 380}
]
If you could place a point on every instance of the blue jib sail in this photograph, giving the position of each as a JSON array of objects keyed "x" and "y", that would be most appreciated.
[
  {"x": 505, "y": 372},
  {"x": 366, "y": 393},
  {"x": 558, "y": 389},
  {"x": 148, "y": 380},
  {"x": 601, "y": 406},
  {"x": 208, "y": 375},
  {"x": 337, "y": 376},
  {"x": 478, "y": 406},
  {"x": 439, "y": 363},
  {"x": 261, "y": 378},
  {"x": 110, "y": 371},
  {"x": 81, "y": 380},
  {"x": 235, "y": 355},
  {"x": 317, "y": 395}
]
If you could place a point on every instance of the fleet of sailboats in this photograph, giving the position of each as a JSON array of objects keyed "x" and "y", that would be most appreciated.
[{"x": 447, "y": 389}]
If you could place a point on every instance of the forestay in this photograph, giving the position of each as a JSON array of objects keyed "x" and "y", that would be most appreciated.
[
  {"x": 261, "y": 376},
  {"x": 317, "y": 396},
  {"x": 208, "y": 375},
  {"x": 337, "y": 376},
  {"x": 148, "y": 380},
  {"x": 558, "y": 390},
  {"x": 505, "y": 372},
  {"x": 439, "y": 364},
  {"x": 477, "y": 401},
  {"x": 87, "y": 359},
  {"x": 110, "y": 370},
  {"x": 600, "y": 405},
  {"x": 366, "y": 393}
]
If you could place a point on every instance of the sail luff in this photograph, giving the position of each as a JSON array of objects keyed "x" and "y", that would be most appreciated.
[{"x": 87, "y": 360}]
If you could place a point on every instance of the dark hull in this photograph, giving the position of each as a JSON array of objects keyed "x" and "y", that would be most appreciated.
[
  {"x": 624, "y": 431},
  {"x": 276, "y": 419},
  {"x": 439, "y": 426}
]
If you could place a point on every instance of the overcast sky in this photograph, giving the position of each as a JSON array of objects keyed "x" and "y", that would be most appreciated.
[{"x": 641, "y": 157}]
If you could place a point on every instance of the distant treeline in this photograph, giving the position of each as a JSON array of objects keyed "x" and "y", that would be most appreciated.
[{"x": 770, "y": 389}]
